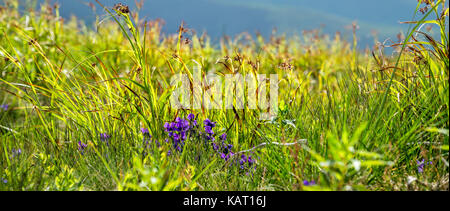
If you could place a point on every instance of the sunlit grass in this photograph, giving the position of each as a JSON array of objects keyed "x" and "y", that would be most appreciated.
[{"x": 347, "y": 120}]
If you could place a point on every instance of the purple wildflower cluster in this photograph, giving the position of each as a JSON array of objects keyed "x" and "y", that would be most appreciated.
[
  {"x": 145, "y": 131},
  {"x": 223, "y": 149},
  {"x": 81, "y": 147},
  {"x": 104, "y": 137},
  {"x": 308, "y": 183},
  {"x": 246, "y": 161},
  {"x": 191, "y": 117},
  {"x": 4, "y": 107},
  {"x": 421, "y": 165},
  {"x": 147, "y": 136},
  {"x": 178, "y": 131},
  {"x": 209, "y": 125},
  {"x": 16, "y": 152},
  {"x": 226, "y": 153}
]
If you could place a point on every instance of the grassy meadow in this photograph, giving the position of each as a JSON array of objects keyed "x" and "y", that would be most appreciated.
[{"x": 88, "y": 108}]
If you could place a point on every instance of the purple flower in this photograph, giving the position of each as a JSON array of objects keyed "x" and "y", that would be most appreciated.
[
  {"x": 307, "y": 183},
  {"x": 421, "y": 165},
  {"x": 177, "y": 131},
  {"x": 147, "y": 136},
  {"x": 15, "y": 152},
  {"x": 223, "y": 137},
  {"x": 180, "y": 125},
  {"x": 225, "y": 149},
  {"x": 208, "y": 130},
  {"x": 4, "y": 180},
  {"x": 145, "y": 131},
  {"x": 104, "y": 137},
  {"x": 176, "y": 137},
  {"x": 167, "y": 127},
  {"x": 209, "y": 123},
  {"x": 4, "y": 107},
  {"x": 250, "y": 161},
  {"x": 215, "y": 147},
  {"x": 226, "y": 157},
  {"x": 242, "y": 161},
  {"x": 229, "y": 155},
  {"x": 191, "y": 117},
  {"x": 420, "y": 169},
  {"x": 178, "y": 119},
  {"x": 81, "y": 147}
]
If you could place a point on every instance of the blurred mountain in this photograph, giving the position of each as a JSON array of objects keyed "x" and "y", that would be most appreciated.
[{"x": 219, "y": 17}]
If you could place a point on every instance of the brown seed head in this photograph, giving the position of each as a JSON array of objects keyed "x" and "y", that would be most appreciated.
[{"x": 121, "y": 8}]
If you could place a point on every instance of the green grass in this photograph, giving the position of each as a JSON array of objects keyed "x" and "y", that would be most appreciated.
[{"x": 356, "y": 120}]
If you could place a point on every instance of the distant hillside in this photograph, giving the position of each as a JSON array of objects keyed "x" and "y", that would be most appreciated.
[{"x": 219, "y": 17}]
